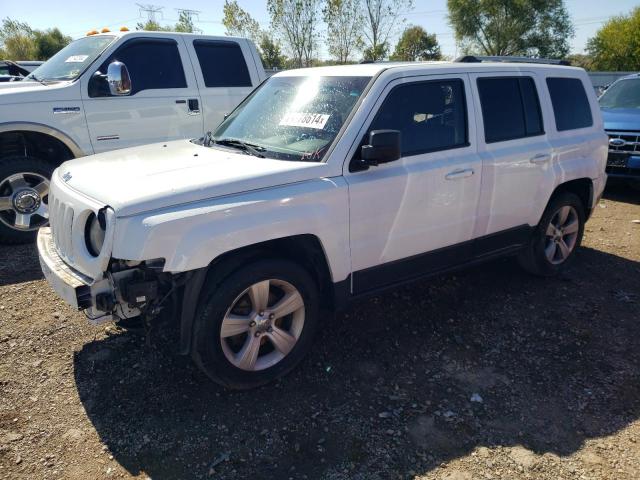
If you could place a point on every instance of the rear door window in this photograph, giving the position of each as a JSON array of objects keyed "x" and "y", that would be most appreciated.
[
  {"x": 570, "y": 103},
  {"x": 222, "y": 63},
  {"x": 510, "y": 108}
]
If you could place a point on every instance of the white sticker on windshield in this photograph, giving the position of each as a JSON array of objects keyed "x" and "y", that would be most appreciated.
[
  {"x": 76, "y": 59},
  {"x": 307, "y": 120}
]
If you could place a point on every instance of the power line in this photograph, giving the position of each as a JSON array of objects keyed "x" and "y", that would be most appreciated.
[{"x": 151, "y": 11}]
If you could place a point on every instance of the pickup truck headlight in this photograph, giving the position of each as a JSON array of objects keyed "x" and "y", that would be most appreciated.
[{"x": 94, "y": 231}]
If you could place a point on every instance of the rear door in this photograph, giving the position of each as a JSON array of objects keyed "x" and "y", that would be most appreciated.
[
  {"x": 164, "y": 103},
  {"x": 517, "y": 157},
  {"x": 226, "y": 73}
]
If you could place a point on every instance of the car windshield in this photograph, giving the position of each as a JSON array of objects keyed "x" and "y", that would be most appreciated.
[
  {"x": 622, "y": 94},
  {"x": 292, "y": 118},
  {"x": 72, "y": 60}
]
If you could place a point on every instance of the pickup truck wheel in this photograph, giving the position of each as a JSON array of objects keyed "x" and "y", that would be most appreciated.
[
  {"x": 24, "y": 190},
  {"x": 556, "y": 238},
  {"x": 256, "y": 324}
]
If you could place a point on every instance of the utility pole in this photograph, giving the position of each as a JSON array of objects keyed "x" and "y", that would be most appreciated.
[{"x": 151, "y": 11}]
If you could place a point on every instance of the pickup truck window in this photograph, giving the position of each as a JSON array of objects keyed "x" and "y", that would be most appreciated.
[
  {"x": 293, "y": 118},
  {"x": 222, "y": 63},
  {"x": 622, "y": 94},
  {"x": 431, "y": 115},
  {"x": 570, "y": 103},
  {"x": 152, "y": 64},
  {"x": 72, "y": 60},
  {"x": 510, "y": 108}
]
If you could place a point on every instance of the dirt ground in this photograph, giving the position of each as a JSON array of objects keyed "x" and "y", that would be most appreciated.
[{"x": 488, "y": 374}]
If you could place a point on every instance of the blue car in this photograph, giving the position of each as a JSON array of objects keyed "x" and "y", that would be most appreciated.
[{"x": 620, "y": 105}]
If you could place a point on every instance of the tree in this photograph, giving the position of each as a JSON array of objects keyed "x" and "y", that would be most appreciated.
[
  {"x": 185, "y": 23},
  {"x": 580, "y": 60},
  {"x": 616, "y": 46},
  {"x": 152, "y": 26},
  {"x": 16, "y": 39},
  {"x": 49, "y": 42},
  {"x": 296, "y": 22},
  {"x": 344, "y": 25},
  {"x": 270, "y": 53},
  {"x": 239, "y": 22},
  {"x": 416, "y": 44},
  {"x": 381, "y": 20},
  {"x": 537, "y": 28}
]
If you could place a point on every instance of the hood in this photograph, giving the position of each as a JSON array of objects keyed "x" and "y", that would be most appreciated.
[
  {"x": 151, "y": 177},
  {"x": 625, "y": 119},
  {"x": 26, "y": 91}
]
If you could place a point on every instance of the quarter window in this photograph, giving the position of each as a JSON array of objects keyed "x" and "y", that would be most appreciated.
[
  {"x": 222, "y": 63},
  {"x": 570, "y": 103},
  {"x": 510, "y": 108},
  {"x": 430, "y": 115}
]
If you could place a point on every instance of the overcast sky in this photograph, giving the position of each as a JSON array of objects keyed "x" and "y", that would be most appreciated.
[{"x": 75, "y": 17}]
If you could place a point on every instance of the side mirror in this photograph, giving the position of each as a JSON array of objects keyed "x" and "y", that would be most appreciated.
[
  {"x": 118, "y": 79},
  {"x": 383, "y": 147}
]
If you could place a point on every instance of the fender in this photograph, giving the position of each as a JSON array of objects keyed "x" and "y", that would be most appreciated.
[{"x": 73, "y": 147}]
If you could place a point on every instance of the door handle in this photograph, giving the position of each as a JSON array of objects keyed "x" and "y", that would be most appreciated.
[
  {"x": 456, "y": 174},
  {"x": 193, "y": 106},
  {"x": 540, "y": 158}
]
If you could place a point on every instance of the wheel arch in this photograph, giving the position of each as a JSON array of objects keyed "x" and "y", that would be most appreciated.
[
  {"x": 582, "y": 187},
  {"x": 37, "y": 140},
  {"x": 305, "y": 250}
]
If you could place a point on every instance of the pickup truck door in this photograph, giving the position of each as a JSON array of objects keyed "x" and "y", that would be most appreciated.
[
  {"x": 416, "y": 215},
  {"x": 164, "y": 103},
  {"x": 226, "y": 71}
]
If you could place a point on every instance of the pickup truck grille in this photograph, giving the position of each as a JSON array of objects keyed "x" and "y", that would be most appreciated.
[
  {"x": 624, "y": 142},
  {"x": 61, "y": 220}
]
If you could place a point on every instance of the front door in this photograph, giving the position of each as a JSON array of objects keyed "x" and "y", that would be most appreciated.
[
  {"x": 164, "y": 103},
  {"x": 416, "y": 215}
]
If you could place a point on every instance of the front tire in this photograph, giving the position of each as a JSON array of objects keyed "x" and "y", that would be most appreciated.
[
  {"x": 556, "y": 238},
  {"x": 255, "y": 325},
  {"x": 24, "y": 190}
]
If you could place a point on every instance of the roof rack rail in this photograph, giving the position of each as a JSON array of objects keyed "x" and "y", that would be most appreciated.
[{"x": 510, "y": 59}]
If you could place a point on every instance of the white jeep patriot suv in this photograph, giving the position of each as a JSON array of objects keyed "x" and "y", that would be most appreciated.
[
  {"x": 109, "y": 91},
  {"x": 324, "y": 185}
]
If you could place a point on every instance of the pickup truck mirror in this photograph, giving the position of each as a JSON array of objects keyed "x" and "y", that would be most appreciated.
[
  {"x": 118, "y": 79},
  {"x": 383, "y": 147}
]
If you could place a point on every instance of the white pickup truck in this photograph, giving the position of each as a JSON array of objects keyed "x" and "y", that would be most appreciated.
[
  {"x": 109, "y": 91},
  {"x": 325, "y": 185}
]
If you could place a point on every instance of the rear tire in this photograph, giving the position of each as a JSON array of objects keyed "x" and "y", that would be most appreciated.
[
  {"x": 255, "y": 325},
  {"x": 555, "y": 240},
  {"x": 23, "y": 180}
]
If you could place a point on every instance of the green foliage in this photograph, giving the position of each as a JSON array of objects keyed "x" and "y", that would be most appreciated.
[
  {"x": 538, "y": 28},
  {"x": 344, "y": 25},
  {"x": 416, "y": 44},
  {"x": 616, "y": 46},
  {"x": 240, "y": 23},
  {"x": 296, "y": 23},
  {"x": 49, "y": 42},
  {"x": 271, "y": 54},
  {"x": 20, "y": 42},
  {"x": 152, "y": 26},
  {"x": 580, "y": 60},
  {"x": 185, "y": 24},
  {"x": 382, "y": 18}
]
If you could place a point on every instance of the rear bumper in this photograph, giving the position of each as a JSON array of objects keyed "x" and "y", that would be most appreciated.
[{"x": 72, "y": 286}]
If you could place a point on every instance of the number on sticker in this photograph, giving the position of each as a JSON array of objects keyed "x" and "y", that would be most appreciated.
[{"x": 305, "y": 119}]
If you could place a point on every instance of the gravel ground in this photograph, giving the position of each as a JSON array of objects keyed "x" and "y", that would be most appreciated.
[{"x": 488, "y": 374}]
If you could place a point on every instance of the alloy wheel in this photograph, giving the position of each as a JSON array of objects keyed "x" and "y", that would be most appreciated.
[
  {"x": 24, "y": 201},
  {"x": 262, "y": 325},
  {"x": 561, "y": 235}
]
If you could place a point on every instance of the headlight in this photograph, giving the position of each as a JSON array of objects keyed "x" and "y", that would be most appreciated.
[{"x": 94, "y": 231}]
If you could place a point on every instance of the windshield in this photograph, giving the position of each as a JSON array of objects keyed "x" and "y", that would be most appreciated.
[
  {"x": 293, "y": 118},
  {"x": 72, "y": 60},
  {"x": 622, "y": 94}
]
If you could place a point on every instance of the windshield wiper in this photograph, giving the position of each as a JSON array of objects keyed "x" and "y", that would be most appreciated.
[
  {"x": 235, "y": 143},
  {"x": 31, "y": 76}
]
